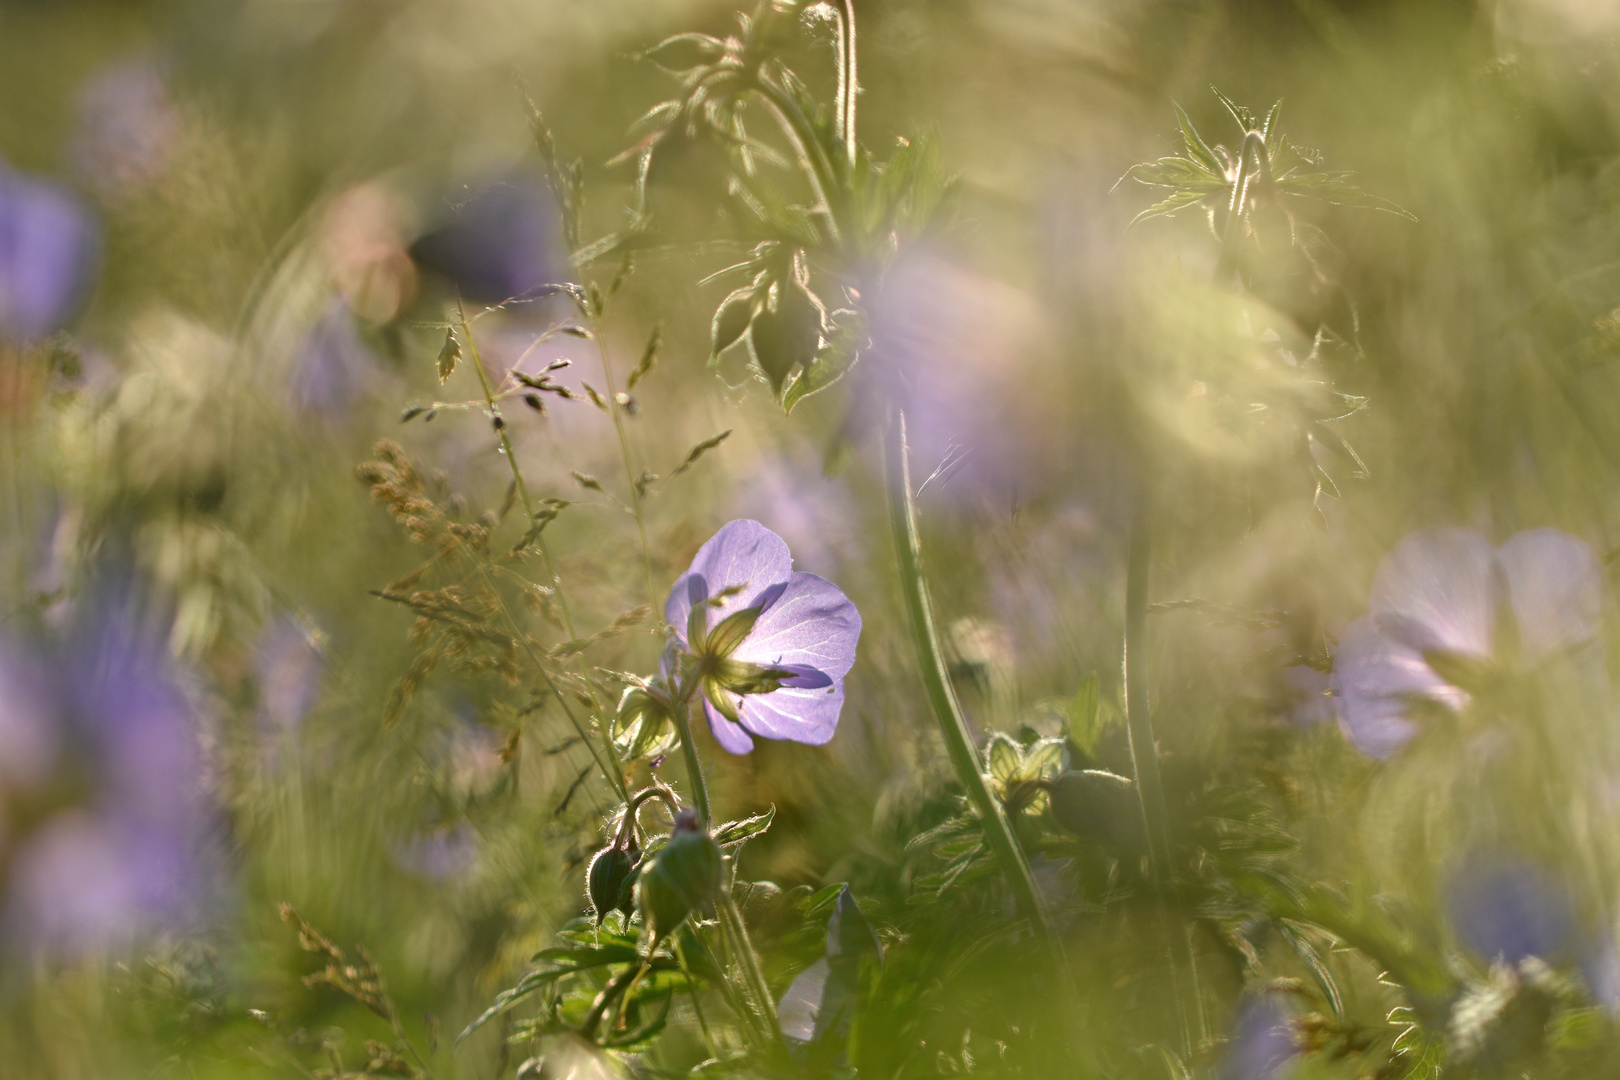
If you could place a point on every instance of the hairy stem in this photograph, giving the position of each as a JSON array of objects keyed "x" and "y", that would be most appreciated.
[
  {"x": 812, "y": 157},
  {"x": 998, "y": 834},
  {"x": 694, "y": 767},
  {"x": 731, "y": 923},
  {"x": 848, "y": 84},
  {"x": 1254, "y": 147}
]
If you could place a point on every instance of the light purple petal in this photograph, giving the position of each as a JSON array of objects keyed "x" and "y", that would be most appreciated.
[
  {"x": 812, "y": 624},
  {"x": 1262, "y": 1046},
  {"x": 1438, "y": 590},
  {"x": 730, "y": 736},
  {"x": 797, "y": 1011},
  {"x": 1374, "y": 679},
  {"x": 1556, "y": 588},
  {"x": 48, "y": 250},
  {"x": 802, "y": 715},
  {"x": 1512, "y": 909},
  {"x": 743, "y": 553}
]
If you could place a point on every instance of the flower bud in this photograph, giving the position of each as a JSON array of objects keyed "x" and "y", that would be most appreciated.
[
  {"x": 1097, "y": 805},
  {"x": 610, "y": 877},
  {"x": 683, "y": 875}
]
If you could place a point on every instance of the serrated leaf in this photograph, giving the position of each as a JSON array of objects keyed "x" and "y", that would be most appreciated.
[
  {"x": 1270, "y": 126},
  {"x": 1170, "y": 205},
  {"x": 1197, "y": 149},
  {"x": 735, "y": 832},
  {"x": 1244, "y": 118},
  {"x": 1334, "y": 188}
]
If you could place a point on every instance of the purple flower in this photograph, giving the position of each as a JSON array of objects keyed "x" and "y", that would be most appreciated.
[
  {"x": 952, "y": 346},
  {"x": 440, "y": 852},
  {"x": 1445, "y": 603},
  {"x": 110, "y": 769},
  {"x": 499, "y": 242},
  {"x": 766, "y": 647},
  {"x": 49, "y": 246},
  {"x": 1507, "y": 909},
  {"x": 1262, "y": 1046},
  {"x": 334, "y": 367}
]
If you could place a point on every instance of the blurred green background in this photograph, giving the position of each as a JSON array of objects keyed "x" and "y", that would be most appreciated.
[{"x": 261, "y": 175}]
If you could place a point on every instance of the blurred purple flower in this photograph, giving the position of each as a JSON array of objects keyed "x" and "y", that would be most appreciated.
[
  {"x": 111, "y": 729},
  {"x": 813, "y": 512},
  {"x": 127, "y": 125},
  {"x": 947, "y": 343},
  {"x": 498, "y": 243},
  {"x": 768, "y": 648},
  {"x": 1262, "y": 1045},
  {"x": 1507, "y": 909},
  {"x": 49, "y": 249},
  {"x": 1439, "y": 599},
  {"x": 289, "y": 671},
  {"x": 334, "y": 367},
  {"x": 440, "y": 853}
]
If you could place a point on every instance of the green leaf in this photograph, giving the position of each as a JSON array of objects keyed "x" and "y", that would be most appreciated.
[
  {"x": 1045, "y": 756},
  {"x": 1333, "y": 187},
  {"x": 1197, "y": 149},
  {"x": 580, "y": 958},
  {"x": 1003, "y": 756},
  {"x": 527, "y": 985},
  {"x": 735, "y": 832},
  {"x": 1085, "y": 715},
  {"x": 785, "y": 333},
  {"x": 1170, "y": 205},
  {"x": 832, "y": 362},
  {"x": 730, "y": 323},
  {"x": 1244, "y": 117},
  {"x": 1271, "y": 122}
]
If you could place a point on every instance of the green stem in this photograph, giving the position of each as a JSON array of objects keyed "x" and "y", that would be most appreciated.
[
  {"x": 731, "y": 922},
  {"x": 1254, "y": 146},
  {"x": 998, "y": 834},
  {"x": 694, "y": 767},
  {"x": 811, "y": 154}
]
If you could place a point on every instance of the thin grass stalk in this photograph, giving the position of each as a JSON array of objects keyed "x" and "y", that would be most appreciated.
[{"x": 616, "y": 775}]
